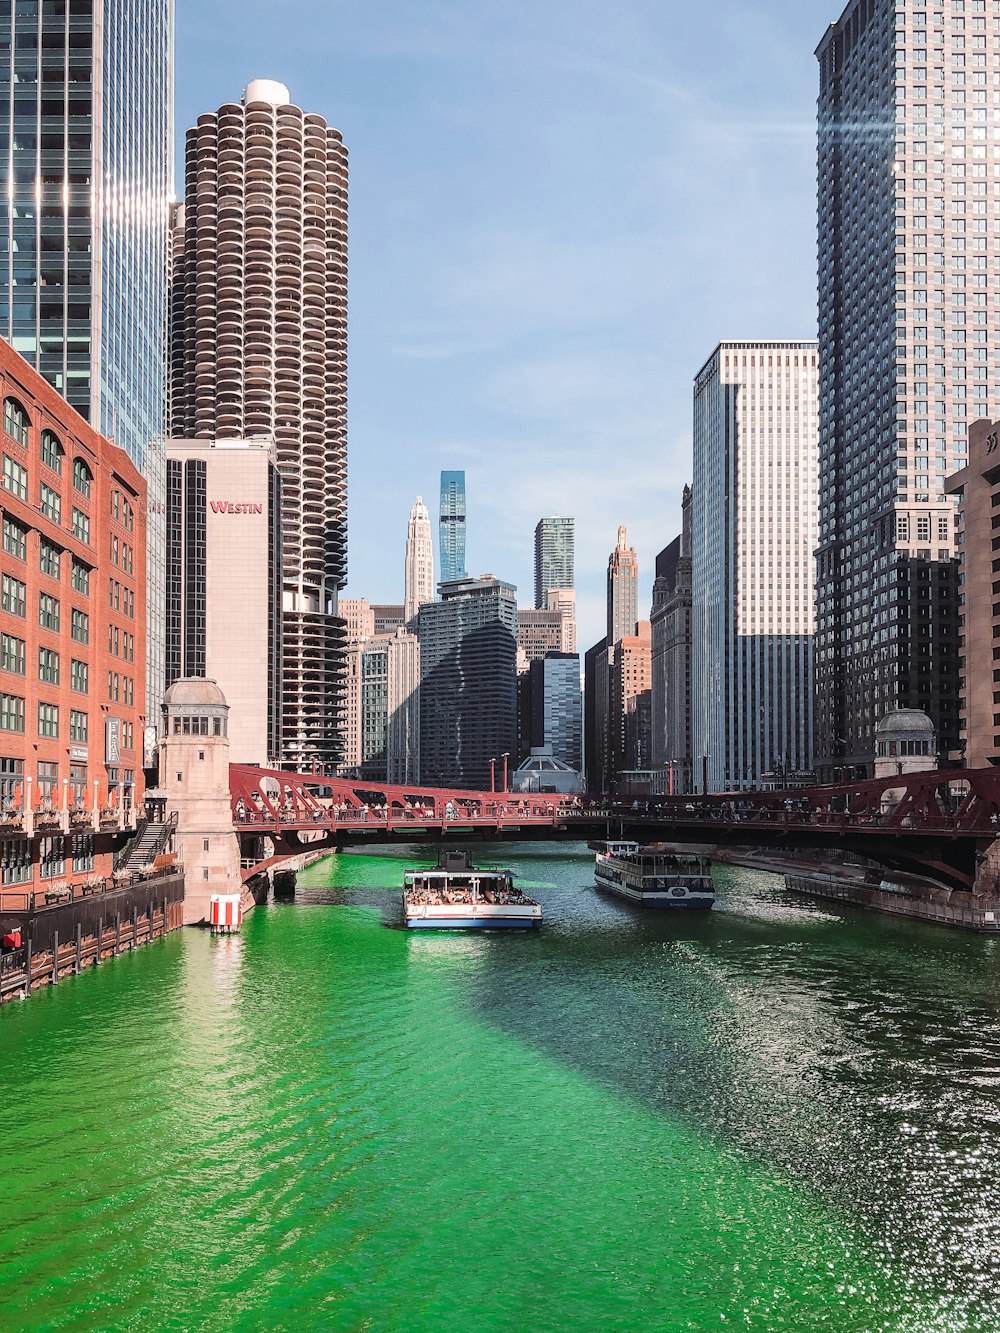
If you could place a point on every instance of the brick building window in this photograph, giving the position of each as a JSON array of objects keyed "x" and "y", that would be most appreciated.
[
  {"x": 15, "y": 420},
  {"x": 11, "y": 713},
  {"x": 52, "y": 451},
  {"x": 48, "y": 720}
]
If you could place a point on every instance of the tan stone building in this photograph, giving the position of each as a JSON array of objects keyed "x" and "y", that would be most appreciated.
[
  {"x": 224, "y": 583},
  {"x": 978, "y": 489}
]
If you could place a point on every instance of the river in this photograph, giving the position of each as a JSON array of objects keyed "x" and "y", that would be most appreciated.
[{"x": 771, "y": 1116}]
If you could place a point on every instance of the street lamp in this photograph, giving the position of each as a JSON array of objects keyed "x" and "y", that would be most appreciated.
[
  {"x": 493, "y": 778},
  {"x": 505, "y": 756}
]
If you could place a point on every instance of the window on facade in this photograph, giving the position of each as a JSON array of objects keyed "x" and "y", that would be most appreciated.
[
  {"x": 50, "y": 503},
  {"x": 48, "y": 780},
  {"x": 83, "y": 852},
  {"x": 48, "y": 558},
  {"x": 48, "y": 666},
  {"x": 52, "y": 451},
  {"x": 15, "y": 420},
  {"x": 11, "y": 713},
  {"x": 15, "y": 478},
  {"x": 13, "y": 596},
  {"x": 81, "y": 578},
  {"x": 82, "y": 477},
  {"x": 79, "y": 676},
  {"x": 15, "y": 860},
  {"x": 48, "y": 720},
  {"x": 51, "y": 858},
  {"x": 78, "y": 783},
  {"x": 15, "y": 539},
  {"x": 12, "y": 657},
  {"x": 78, "y": 726},
  {"x": 11, "y": 778},
  {"x": 48, "y": 612},
  {"x": 81, "y": 526},
  {"x": 80, "y": 628}
]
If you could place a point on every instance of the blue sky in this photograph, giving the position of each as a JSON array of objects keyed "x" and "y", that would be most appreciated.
[{"x": 558, "y": 208}]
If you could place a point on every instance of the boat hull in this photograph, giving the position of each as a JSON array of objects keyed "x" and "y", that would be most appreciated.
[
  {"x": 471, "y": 923},
  {"x": 481, "y": 917}
]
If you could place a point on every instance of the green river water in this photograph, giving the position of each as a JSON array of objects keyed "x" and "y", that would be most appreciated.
[{"x": 771, "y": 1116}]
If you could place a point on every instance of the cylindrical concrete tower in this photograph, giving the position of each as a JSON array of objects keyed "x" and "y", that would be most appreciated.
[{"x": 259, "y": 346}]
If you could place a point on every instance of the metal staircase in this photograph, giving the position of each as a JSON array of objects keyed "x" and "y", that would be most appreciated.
[{"x": 149, "y": 842}]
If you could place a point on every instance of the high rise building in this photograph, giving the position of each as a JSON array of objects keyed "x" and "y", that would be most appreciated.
[
  {"x": 381, "y": 699},
  {"x": 259, "y": 345},
  {"x": 468, "y": 693},
  {"x": 553, "y": 557},
  {"x": 540, "y": 632},
  {"x": 224, "y": 583},
  {"x": 419, "y": 571},
  {"x": 753, "y": 526},
  {"x": 908, "y": 244},
  {"x": 629, "y": 714},
  {"x": 623, "y": 590},
  {"x": 563, "y": 600},
  {"x": 596, "y": 703},
  {"x": 670, "y": 626},
  {"x": 389, "y": 617},
  {"x": 978, "y": 489},
  {"x": 86, "y": 110},
  {"x": 451, "y": 530},
  {"x": 554, "y": 707}
]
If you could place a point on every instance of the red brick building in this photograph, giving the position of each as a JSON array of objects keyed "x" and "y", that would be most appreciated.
[{"x": 72, "y": 638}]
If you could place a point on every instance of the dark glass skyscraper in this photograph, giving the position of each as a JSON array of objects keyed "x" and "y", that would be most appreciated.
[
  {"x": 451, "y": 533},
  {"x": 86, "y": 135},
  {"x": 909, "y": 239}
]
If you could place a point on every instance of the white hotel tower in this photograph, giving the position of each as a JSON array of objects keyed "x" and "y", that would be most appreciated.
[
  {"x": 754, "y": 526},
  {"x": 419, "y": 571},
  {"x": 259, "y": 347}
]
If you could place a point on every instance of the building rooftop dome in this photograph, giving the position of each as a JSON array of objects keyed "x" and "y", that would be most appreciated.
[
  {"x": 904, "y": 720},
  {"x": 194, "y": 692}
]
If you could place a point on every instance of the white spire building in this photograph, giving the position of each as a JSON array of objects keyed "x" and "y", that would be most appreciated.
[{"x": 419, "y": 577}]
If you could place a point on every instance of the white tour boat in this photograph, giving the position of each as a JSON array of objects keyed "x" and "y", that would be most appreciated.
[
  {"x": 454, "y": 895},
  {"x": 656, "y": 876}
]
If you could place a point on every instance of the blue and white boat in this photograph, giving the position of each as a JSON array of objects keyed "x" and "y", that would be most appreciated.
[
  {"x": 656, "y": 876},
  {"x": 454, "y": 895}
]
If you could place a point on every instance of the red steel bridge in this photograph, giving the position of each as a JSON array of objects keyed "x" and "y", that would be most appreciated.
[{"x": 938, "y": 824}]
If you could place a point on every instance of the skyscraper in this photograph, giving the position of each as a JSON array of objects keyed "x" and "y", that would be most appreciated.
[
  {"x": 623, "y": 590},
  {"x": 86, "y": 107},
  {"x": 753, "y": 529},
  {"x": 908, "y": 244},
  {"x": 419, "y": 572},
  {"x": 553, "y": 557},
  {"x": 451, "y": 531},
  {"x": 468, "y": 691},
  {"x": 670, "y": 624},
  {"x": 259, "y": 345}
]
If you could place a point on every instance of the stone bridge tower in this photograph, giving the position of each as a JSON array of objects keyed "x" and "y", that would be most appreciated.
[{"x": 194, "y": 780}]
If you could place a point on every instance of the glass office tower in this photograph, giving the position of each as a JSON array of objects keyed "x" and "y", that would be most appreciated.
[
  {"x": 86, "y": 135},
  {"x": 909, "y": 240},
  {"x": 553, "y": 557},
  {"x": 451, "y": 532}
]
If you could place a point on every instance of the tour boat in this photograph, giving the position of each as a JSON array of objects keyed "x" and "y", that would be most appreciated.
[
  {"x": 655, "y": 876},
  {"x": 454, "y": 895}
]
